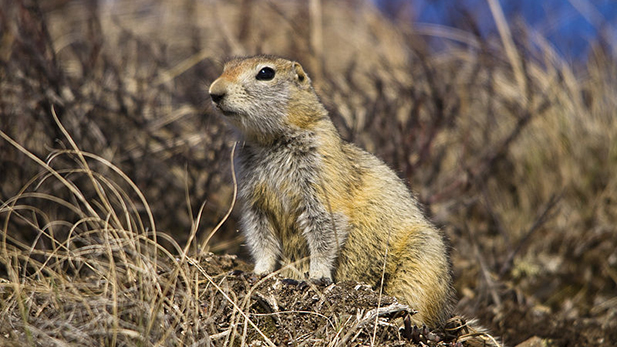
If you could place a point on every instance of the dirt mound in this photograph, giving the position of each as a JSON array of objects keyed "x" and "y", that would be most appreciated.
[{"x": 313, "y": 313}]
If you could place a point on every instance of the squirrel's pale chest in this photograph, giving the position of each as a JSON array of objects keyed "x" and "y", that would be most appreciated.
[{"x": 275, "y": 181}]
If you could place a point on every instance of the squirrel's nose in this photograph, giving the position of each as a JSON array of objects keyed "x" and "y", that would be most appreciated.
[
  {"x": 216, "y": 98},
  {"x": 218, "y": 90}
]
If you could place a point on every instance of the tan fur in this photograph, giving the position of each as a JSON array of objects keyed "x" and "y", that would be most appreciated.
[{"x": 309, "y": 195}]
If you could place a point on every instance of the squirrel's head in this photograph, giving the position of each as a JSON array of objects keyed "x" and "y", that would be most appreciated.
[{"x": 261, "y": 95}]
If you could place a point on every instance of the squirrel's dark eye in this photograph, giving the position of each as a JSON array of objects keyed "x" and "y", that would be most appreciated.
[{"x": 265, "y": 74}]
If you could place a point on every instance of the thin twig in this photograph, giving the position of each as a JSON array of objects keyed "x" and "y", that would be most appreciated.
[
  {"x": 543, "y": 217},
  {"x": 508, "y": 44},
  {"x": 383, "y": 276},
  {"x": 235, "y": 306},
  {"x": 233, "y": 199}
]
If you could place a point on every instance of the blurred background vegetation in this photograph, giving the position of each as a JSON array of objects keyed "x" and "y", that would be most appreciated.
[{"x": 511, "y": 146}]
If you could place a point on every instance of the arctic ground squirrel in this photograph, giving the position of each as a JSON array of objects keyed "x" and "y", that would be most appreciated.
[{"x": 315, "y": 204}]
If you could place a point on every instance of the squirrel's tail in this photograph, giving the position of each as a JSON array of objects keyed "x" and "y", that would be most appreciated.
[{"x": 469, "y": 333}]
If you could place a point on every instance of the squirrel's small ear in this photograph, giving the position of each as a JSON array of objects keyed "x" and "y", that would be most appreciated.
[{"x": 300, "y": 74}]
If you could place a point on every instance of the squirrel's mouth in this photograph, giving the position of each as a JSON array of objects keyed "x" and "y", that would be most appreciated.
[
  {"x": 227, "y": 112},
  {"x": 224, "y": 110},
  {"x": 230, "y": 114}
]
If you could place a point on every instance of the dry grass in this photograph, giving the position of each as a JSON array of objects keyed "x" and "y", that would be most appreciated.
[
  {"x": 512, "y": 149},
  {"x": 100, "y": 275}
]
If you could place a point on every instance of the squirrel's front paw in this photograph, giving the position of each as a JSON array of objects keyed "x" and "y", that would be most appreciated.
[
  {"x": 319, "y": 271},
  {"x": 262, "y": 270}
]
